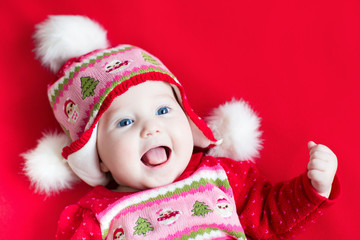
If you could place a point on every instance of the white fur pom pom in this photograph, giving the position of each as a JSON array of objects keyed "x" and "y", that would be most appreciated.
[
  {"x": 62, "y": 37},
  {"x": 237, "y": 125},
  {"x": 46, "y": 168}
]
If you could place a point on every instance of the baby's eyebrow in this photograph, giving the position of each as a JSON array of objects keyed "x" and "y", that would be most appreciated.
[
  {"x": 167, "y": 96},
  {"x": 111, "y": 115}
]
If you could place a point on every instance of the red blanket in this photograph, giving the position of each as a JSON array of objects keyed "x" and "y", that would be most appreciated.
[{"x": 295, "y": 62}]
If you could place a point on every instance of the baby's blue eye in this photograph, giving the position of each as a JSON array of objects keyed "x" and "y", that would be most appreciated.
[
  {"x": 125, "y": 122},
  {"x": 162, "y": 110}
]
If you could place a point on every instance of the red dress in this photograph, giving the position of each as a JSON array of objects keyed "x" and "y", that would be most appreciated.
[{"x": 265, "y": 211}]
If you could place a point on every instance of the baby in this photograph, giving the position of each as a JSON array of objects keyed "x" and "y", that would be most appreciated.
[{"x": 130, "y": 123}]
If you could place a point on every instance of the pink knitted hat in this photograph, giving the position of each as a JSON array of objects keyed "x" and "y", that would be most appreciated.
[
  {"x": 89, "y": 76},
  {"x": 85, "y": 88}
]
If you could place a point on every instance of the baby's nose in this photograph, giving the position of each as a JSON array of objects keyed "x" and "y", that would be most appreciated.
[{"x": 150, "y": 129}]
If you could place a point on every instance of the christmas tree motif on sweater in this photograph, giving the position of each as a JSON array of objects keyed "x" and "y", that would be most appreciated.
[
  {"x": 142, "y": 226},
  {"x": 200, "y": 209},
  {"x": 88, "y": 86},
  {"x": 149, "y": 59}
]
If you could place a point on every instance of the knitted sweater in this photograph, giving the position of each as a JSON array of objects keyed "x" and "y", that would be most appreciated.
[{"x": 214, "y": 198}]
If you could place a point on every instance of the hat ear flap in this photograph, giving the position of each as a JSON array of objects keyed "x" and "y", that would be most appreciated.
[
  {"x": 47, "y": 170},
  {"x": 198, "y": 136},
  {"x": 238, "y": 126}
]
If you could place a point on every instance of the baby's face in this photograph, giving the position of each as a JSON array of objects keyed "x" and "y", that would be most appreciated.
[{"x": 144, "y": 138}]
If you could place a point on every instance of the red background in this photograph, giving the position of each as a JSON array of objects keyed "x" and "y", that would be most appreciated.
[{"x": 295, "y": 62}]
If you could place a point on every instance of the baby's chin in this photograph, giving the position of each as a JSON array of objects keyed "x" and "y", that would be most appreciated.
[
  {"x": 155, "y": 183},
  {"x": 160, "y": 183},
  {"x": 149, "y": 185},
  {"x": 126, "y": 189}
]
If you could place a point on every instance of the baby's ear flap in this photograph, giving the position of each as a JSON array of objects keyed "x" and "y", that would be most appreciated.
[{"x": 199, "y": 138}]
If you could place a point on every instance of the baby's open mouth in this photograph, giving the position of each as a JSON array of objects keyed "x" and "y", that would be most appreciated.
[{"x": 156, "y": 156}]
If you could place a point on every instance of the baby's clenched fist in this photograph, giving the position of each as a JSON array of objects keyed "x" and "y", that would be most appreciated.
[{"x": 321, "y": 168}]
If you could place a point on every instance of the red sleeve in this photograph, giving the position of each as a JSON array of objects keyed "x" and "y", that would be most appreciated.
[
  {"x": 77, "y": 223},
  {"x": 278, "y": 211}
]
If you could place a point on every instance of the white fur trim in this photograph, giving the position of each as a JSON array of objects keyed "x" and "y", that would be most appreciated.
[
  {"x": 62, "y": 37},
  {"x": 238, "y": 126},
  {"x": 46, "y": 168},
  {"x": 86, "y": 164}
]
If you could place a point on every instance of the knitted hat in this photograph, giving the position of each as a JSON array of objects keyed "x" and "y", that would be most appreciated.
[
  {"x": 91, "y": 76},
  {"x": 117, "y": 231}
]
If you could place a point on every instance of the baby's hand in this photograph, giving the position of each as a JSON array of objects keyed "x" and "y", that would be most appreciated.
[{"x": 321, "y": 168}]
